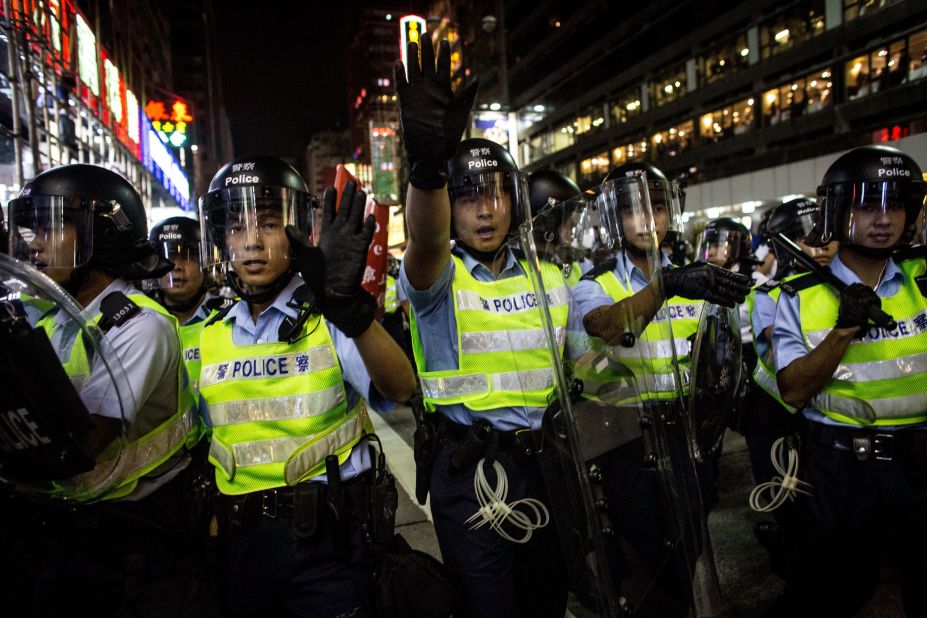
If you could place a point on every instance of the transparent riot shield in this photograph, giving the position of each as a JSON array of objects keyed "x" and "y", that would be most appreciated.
[
  {"x": 65, "y": 431},
  {"x": 715, "y": 377},
  {"x": 616, "y": 446}
]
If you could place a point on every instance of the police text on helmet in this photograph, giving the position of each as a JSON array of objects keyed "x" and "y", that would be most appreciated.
[
  {"x": 480, "y": 163},
  {"x": 242, "y": 179}
]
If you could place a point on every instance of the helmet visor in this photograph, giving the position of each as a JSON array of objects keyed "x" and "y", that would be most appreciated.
[
  {"x": 187, "y": 272},
  {"x": 52, "y": 232},
  {"x": 877, "y": 215},
  {"x": 487, "y": 208},
  {"x": 627, "y": 217},
  {"x": 720, "y": 247}
]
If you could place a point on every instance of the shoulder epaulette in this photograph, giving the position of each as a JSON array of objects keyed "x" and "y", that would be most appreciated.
[
  {"x": 218, "y": 303},
  {"x": 117, "y": 309},
  {"x": 910, "y": 253},
  {"x": 600, "y": 269},
  {"x": 768, "y": 286},
  {"x": 799, "y": 283}
]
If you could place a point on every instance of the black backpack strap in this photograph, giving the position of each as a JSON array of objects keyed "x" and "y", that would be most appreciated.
[{"x": 600, "y": 269}]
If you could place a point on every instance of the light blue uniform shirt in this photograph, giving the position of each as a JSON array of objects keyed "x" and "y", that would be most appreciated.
[
  {"x": 788, "y": 344},
  {"x": 202, "y": 312},
  {"x": 434, "y": 317},
  {"x": 590, "y": 294},
  {"x": 763, "y": 316},
  {"x": 246, "y": 331}
]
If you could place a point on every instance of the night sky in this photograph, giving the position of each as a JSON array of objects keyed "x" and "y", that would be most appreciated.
[{"x": 281, "y": 72}]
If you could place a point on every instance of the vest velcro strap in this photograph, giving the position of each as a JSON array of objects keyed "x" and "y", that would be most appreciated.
[
  {"x": 276, "y": 408},
  {"x": 262, "y": 367},
  {"x": 313, "y": 454},
  {"x": 504, "y": 340},
  {"x": 457, "y": 388}
]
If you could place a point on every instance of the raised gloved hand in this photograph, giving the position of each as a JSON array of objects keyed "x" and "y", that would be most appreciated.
[
  {"x": 855, "y": 303},
  {"x": 341, "y": 258},
  {"x": 704, "y": 281},
  {"x": 432, "y": 119}
]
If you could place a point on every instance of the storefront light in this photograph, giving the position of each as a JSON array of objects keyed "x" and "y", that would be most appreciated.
[
  {"x": 745, "y": 52},
  {"x": 782, "y": 35}
]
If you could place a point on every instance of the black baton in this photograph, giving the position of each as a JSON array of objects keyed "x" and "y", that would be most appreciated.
[{"x": 879, "y": 317}]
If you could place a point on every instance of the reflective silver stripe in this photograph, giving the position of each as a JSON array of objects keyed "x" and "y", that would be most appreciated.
[
  {"x": 312, "y": 454},
  {"x": 653, "y": 349},
  {"x": 815, "y": 337},
  {"x": 871, "y": 410},
  {"x": 263, "y": 366},
  {"x": 506, "y": 340},
  {"x": 452, "y": 387},
  {"x": 307, "y": 451},
  {"x": 513, "y": 303},
  {"x": 882, "y": 370},
  {"x": 765, "y": 379},
  {"x": 276, "y": 408}
]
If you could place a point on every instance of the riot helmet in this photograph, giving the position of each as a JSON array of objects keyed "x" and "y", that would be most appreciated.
[
  {"x": 488, "y": 195},
  {"x": 639, "y": 195},
  {"x": 178, "y": 240},
  {"x": 724, "y": 242},
  {"x": 795, "y": 220},
  {"x": 871, "y": 199},
  {"x": 75, "y": 217},
  {"x": 242, "y": 217},
  {"x": 556, "y": 205}
]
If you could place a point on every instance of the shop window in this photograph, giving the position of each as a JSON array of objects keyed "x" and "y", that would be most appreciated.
[
  {"x": 625, "y": 107},
  {"x": 669, "y": 87},
  {"x": 917, "y": 50},
  {"x": 723, "y": 59},
  {"x": 636, "y": 151},
  {"x": 728, "y": 121},
  {"x": 859, "y": 8},
  {"x": 563, "y": 137},
  {"x": 591, "y": 119},
  {"x": 594, "y": 168},
  {"x": 791, "y": 27},
  {"x": 619, "y": 155},
  {"x": 807, "y": 95},
  {"x": 672, "y": 141}
]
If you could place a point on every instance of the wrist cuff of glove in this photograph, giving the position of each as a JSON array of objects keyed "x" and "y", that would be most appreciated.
[
  {"x": 351, "y": 313},
  {"x": 428, "y": 176}
]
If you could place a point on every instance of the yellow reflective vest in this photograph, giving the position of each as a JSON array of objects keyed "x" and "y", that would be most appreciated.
[
  {"x": 391, "y": 303},
  {"x": 139, "y": 455},
  {"x": 276, "y": 409},
  {"x": 502, "y": 344},
  {"x": 764, "y": 374},
  {"x": 651, "y": 358},
  {"x": 882, "y": 378}
]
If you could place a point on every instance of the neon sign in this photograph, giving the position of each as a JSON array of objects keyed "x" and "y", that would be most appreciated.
[
  {"x": 162, "y": 165},
  {"x": 171, "y": 126},
  {"x": 87, "y": 67},
  {"x": 113, "y": 91}
]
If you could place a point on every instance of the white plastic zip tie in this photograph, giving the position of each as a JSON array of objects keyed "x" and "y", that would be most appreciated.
[
  {"x": 780, "y": 488},
  {"x": 495, "y": 511}
]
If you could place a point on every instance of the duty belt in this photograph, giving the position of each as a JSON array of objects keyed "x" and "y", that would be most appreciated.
[
  {"x": 519, "y": 442},
  {"x": 285, "y": 501},
  {"x": 869, "y": 444}
]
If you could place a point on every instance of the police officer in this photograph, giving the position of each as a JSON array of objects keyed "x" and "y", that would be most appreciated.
[
  {"x": 861, "y": 384},
  {"x": 555, "y": 201},
  {"x": 183, "y": 291},
  {"x": 765, "y": 417},
  {"x": 284, "y": 391},
  {"x": 472, "y": 191},
  {"x": 132, "y": 551},
  {"x": 726, "y": 243}
]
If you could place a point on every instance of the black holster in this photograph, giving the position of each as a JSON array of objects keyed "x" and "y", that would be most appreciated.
[{"x": 426, "y": 442}]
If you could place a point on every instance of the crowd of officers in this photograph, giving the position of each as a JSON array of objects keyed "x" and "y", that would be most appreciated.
[{"x": 259, "y": 400}]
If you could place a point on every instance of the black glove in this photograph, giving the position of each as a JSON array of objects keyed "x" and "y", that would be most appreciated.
[
  {"x": 855, "y": 302},
  {"x": 341, "y": 258},
  {"x": 432, "y": 119},
  {"x": 704, "y": 281}
]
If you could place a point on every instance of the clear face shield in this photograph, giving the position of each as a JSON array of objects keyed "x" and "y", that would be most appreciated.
[
  {"x": 720, "y": 247},
  {"x": 798, "y": 231},
  {"x": 244, "y": 234},
  {"x": 486, "y": 210},
  {"x": 631, "y": 220},
  {"x": 873, "y": 215},
  {"x": 187, "y": 277},
  {"x": 556, "y": 228},
  {"x": 53, "y": 233}
]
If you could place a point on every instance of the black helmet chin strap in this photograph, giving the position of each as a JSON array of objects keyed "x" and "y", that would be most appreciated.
[
  {"x": 269, "y": 294},
  {"x": 869, "y": 252}
]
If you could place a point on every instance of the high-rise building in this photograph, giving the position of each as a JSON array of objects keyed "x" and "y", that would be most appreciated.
[{"x": 323, "y": 153}]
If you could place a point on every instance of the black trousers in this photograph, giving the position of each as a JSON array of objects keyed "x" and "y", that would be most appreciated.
[
  {"x": 859, "y": 513},
  {"x": 265, "y": 570},
  {"x": 500, "y": 578},
  {"x": 143, "y": 558}
]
